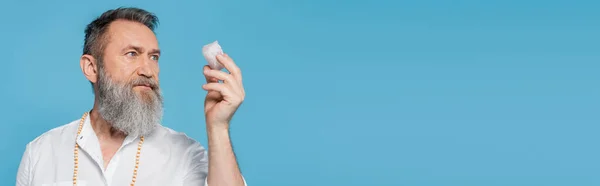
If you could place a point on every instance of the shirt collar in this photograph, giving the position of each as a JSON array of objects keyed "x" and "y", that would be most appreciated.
[
  {"x": 88, "y": 135},
  {"x": 87, "y": 132}
]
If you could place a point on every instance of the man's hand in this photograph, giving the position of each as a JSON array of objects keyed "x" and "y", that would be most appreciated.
[{"x": 223, "y": 99}]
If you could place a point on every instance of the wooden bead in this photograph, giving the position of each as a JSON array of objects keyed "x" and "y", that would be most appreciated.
[{"x": 76, "y": 154}]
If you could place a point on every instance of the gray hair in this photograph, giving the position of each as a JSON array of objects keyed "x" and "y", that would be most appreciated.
[
  {"x": 95, "y": 38},
  {"x": 95, "y": 32},
  {"x": 125, "y": 110},
  {"x": 118, "y": 104}
]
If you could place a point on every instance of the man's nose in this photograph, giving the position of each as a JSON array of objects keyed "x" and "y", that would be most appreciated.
[{"x": 145, "y": 68}]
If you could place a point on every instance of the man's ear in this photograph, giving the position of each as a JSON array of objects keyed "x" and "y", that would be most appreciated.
[{"x": 89, "y": 67}]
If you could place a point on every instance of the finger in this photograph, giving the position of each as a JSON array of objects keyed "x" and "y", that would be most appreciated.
[
  {"x": 218, "y": 87},
  {"x": 238, "y": 71},
  {"x": 209, "y": 79},
  {"x": 230, "y": 66},
  {"x": 219, "y": 75},
  {"x": 238, "y": 75},
  {"x": 228, "y": 79}
]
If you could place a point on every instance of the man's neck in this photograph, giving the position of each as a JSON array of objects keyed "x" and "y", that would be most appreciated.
[
  {"x": 103, "y": 129},
  {"x": 110, "y": 139}
]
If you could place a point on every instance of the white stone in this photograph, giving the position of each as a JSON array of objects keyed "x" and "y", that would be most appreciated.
[{"x": 210, "y": 52}]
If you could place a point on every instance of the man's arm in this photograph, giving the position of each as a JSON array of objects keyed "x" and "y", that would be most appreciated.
[
  {"x": 196, "y": 166},
  {"x": 222, "y": 165},
  {"x": 222, "y": 101}
]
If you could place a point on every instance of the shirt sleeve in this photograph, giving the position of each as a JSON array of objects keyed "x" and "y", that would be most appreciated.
[
  {"x": 197, "y": 169},
  {"x": 24, "y": 171}
]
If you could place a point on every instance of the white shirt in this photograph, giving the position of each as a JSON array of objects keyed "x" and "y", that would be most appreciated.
[{"x": 167, "y": 158}]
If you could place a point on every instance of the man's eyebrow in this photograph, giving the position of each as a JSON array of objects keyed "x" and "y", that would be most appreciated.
[
  {"x": 136, "y": 48},
  {"x": 154, "y": 51}
]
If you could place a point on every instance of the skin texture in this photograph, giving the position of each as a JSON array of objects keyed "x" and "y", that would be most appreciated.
[
  {"x": 221, "y": 102},
  {"x": 131, "y": 51}
]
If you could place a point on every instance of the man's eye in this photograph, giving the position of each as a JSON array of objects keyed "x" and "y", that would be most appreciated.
[
  {"x": 154, "y": 57},
  {"x": 131, "y": 54}
]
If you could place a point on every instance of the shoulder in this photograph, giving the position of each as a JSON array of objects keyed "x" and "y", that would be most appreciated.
[
  {"x": 191, "y": 154},
  {"x": 192, "y": 157},
  {"x": 54, "y": 137},
  {"x": 176, "y": 141}
]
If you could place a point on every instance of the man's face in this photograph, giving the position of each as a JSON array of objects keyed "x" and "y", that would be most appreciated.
[
  {"x": 131, "y": 53},
  {"x": 128, "y": 93}
]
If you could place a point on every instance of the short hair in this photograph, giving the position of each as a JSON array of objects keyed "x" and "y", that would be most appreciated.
[{"x": 95, "y": 32}]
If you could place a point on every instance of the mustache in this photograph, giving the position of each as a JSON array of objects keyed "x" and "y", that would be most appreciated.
[{"x": 144, "y": 81}]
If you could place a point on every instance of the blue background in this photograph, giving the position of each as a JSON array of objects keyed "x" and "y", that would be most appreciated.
[{"x": 373, "y": 92}]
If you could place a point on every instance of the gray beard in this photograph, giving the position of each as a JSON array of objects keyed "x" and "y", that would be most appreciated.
[{"x": 127, "y": 111}]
